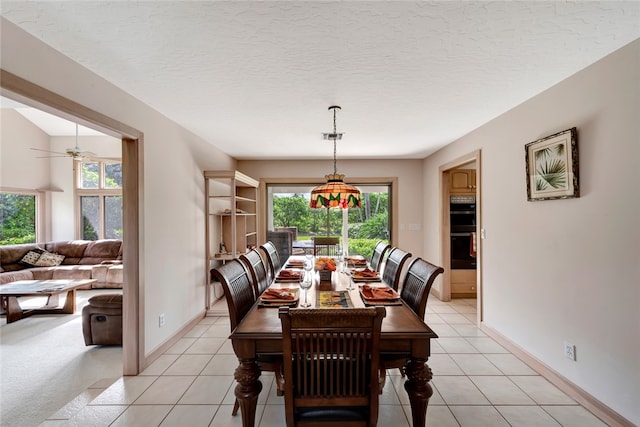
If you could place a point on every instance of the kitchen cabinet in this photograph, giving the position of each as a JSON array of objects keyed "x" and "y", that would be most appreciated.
[
  {"x": 462, "y": 181},
  {"x": 463, "y": 283}
]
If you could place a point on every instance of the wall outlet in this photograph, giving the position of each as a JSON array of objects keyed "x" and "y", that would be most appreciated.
[
  {"x": 161, "y": 320},
  {"x": 570, "y": 351}
]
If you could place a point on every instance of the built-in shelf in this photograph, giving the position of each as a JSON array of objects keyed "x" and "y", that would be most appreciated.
[{"x": 232, "y": 223}]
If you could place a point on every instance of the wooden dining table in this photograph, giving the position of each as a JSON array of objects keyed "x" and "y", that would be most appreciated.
[{"x": 403, "y": 334}]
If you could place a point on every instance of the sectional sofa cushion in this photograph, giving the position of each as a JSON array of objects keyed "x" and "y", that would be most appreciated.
[
  {"x": 101, "y": 250},
  {"x": 31, "y": 258},
  {"x": 80, "y": 259},
  {"x": 47, "y": 259}
]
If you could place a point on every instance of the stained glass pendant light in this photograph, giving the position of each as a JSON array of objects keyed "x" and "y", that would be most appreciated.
[{"x": 335, "y": 193}]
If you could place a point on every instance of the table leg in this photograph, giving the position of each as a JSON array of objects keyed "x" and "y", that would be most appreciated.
[
  {"x": 247, "y": 390},
  {"x": 12, "y": 308},
  {"x": 70, "y": 302},
  {"x": 418, "y": 389}
]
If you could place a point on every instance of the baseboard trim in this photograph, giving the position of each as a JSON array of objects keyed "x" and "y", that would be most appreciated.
[
  {"x": 599, "y": 409},
  {"x": 162, "y": 348}
]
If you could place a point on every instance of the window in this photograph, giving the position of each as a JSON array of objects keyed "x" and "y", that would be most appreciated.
[
  {"x": 99, "y": 190},
  {"x": 288, "y": 208},
  {"x": 18, "y": 217}
]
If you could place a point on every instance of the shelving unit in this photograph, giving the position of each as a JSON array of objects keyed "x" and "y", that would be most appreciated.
[{"x": 232, "y": 225}]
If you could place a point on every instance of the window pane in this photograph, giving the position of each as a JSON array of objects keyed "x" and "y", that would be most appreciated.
[
  {"x": 90, "y": 175},
  {"x": 89, "y": 209},
  {"x": 113, "y": 175},
  {"x": 17, "y": 218},
  {"x": 113, "y": 217},
  {"x": 288, "y": 207}
]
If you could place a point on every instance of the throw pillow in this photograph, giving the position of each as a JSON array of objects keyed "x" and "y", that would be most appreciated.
[
  {"x": 49, "y": 259},
  {"x": 31, "y": 257}
]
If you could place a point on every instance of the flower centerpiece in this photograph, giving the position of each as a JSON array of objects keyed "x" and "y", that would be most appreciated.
[{"x": 325, "y": 266}]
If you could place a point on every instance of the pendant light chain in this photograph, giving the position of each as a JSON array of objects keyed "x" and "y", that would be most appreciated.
[
  {"x": 335, "y": 193},
  {"x": 335, "y": 136}
]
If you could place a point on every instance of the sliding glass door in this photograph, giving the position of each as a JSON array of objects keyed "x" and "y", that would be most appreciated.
[{"x": 288, "y": 210}]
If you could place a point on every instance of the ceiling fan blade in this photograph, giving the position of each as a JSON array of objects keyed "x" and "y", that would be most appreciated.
[
  {"x": 50, "y": 157},
  {"x": 47, "y": 151}
]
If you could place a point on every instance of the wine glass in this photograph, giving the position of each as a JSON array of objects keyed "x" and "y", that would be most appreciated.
[
  {"x": 343, "y": 268},
  {"x": 307, "y": 282}
]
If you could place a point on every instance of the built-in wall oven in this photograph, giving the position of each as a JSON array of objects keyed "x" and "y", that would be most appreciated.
[{"x": 462, "y": 210}]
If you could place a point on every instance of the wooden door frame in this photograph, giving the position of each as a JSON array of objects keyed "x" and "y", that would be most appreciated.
[
  {"x": 443, "y": 172},
  {"x": 36, "y": 96}
]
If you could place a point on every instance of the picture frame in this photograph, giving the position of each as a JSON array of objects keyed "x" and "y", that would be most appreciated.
[{"x": 552, "y": 167}]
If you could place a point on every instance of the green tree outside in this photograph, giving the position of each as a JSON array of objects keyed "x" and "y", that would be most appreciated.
[{"x": 17, "y": 219}]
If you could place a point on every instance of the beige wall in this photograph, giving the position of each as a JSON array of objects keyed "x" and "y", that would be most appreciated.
[
  {"x": 172, "y": 243},
  {"x": 408, "y": 173},
  {"x": 565, "y": 269}
]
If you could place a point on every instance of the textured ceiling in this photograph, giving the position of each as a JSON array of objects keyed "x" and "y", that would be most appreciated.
[{"x": 256, "y": 78}]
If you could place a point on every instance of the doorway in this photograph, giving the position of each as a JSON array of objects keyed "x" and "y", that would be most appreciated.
[
  {"x": 461, "y": 229},
  {"x": 25, "y": 92}
]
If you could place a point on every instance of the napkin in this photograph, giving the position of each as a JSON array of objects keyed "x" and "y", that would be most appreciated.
[
  {"x": 356, "y": 261},
  {"x": 277, "y": 294},
  {"x": 289, "y": 274},
  {"x": 379, "y": 292},
  {"x": 366, "y": 273}
]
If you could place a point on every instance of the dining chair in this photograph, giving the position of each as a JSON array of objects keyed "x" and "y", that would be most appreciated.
[
  {"x": 415, "y": 291},
  {"x": 273, "y": 259},
  {"x": 393, "y": 267},
  {"x": 417, "y": 284},
  {"x": 331, "y": 366},
  {"x": 240, "y": 297},
  {"x": 379, "y": 251},
  {"x": 255, "y": 265},
  {"x": 326, "y": 246}
]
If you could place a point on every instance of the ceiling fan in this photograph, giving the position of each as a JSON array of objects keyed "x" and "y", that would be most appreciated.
[{"x": 74, "y": 152}]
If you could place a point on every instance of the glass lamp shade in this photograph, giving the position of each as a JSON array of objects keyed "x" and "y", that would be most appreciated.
[{"x": 335, "y": 194}]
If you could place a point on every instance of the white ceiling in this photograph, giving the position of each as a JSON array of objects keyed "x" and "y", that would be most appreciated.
[
  {"x": 256, "y": 78},
  {"x": 48, "y": 123}
]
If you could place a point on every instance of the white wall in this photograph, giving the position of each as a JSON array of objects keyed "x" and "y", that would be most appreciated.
[
  {"x": 173, "y": 250},
  {"x": 566, "y": 269},
  {"x": 408, "y": 172},
  {"x": 17, "y": 136}
]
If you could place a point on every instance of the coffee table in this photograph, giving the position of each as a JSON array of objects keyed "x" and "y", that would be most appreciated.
[{"x": 9, "y": 294}]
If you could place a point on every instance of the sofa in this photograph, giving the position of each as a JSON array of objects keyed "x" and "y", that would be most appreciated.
[{"x": 69, "y": 259}]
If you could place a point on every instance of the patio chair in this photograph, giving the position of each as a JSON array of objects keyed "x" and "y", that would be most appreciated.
[{"x": 326, "y": 246}]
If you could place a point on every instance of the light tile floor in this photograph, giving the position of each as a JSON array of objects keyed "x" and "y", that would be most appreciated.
[{"x": 476, "y": 383}]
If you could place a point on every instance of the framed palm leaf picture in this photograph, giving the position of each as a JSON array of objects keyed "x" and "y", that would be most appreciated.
[{"x": 552, "y": 167}]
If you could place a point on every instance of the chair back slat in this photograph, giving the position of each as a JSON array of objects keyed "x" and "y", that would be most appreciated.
[
  {"x": 379, "y": 251},
  {"x": 417, "y": 284},
  {"x": 237, "y": 288},
  {"x": 273, "y": 259},
  {"x": 257, "y": 269},
  {"x": 331, "y": 360},
  {"x": 393, "y": 267}
]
